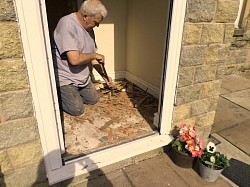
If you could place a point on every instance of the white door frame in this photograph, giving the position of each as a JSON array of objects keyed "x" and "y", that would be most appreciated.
[{"x": 32, "y": 18}]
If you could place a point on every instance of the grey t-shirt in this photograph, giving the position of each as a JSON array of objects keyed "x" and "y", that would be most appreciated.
[{"x": 70, "y": 35}]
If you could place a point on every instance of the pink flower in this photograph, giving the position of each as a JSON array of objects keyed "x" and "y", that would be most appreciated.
[
  {"x": 194, "y": 153},
  {"x": 200, "y": 152},
  {"x": 182, "y": 125},
  {"x": 191, "y": 148},
  {"x": 184, "y": 137},
  {"x": 190, "y": 142},
  {"x": 183, "y": 130},
  {"x": 197, "y": 148}
]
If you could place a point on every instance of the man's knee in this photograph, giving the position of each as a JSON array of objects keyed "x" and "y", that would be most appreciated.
[
  {"x": 91, "y": 98},
  {"x": 75, "y": 111},
  {"x": 74, "y": 108},
  {"x": 95, "y": 99}
]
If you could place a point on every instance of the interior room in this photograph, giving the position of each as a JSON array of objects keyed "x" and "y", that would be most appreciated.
[{"x": 133, "y": 39}]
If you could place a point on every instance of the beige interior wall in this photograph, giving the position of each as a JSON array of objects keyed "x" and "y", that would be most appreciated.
[
  {"x": 111, "y": 35},
  {"x": 146, "y": 36}
]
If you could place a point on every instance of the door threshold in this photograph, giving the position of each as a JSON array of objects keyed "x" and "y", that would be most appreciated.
[
  {"x": 75, "y": 157},
  {"x": 107, "y": 157}
]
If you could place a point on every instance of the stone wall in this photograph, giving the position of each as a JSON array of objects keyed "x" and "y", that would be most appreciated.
[
  {"x": 206, "y": 56},
  {"x": 20, "y": 147}
]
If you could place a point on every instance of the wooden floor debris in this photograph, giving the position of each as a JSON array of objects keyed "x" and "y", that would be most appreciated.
[{"x": 124, "y": 113}]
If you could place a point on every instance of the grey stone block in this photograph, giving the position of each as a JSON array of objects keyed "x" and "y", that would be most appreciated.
[
  {"x": 218, "y": 53},
  {"x": 15, "y": 105},
  {"x": 27, "y": 176},
  {"x": 17, "y": 132},
  {"x": 192, "y": 34},
  {"x": 13, "y": 75},
  {"x": 212, "y": 33},
  {"x": 210, "y": 89},
  {"x": 10, "y": 43},
  {"x": 193, "y": 55},
  {"x": 227, "y": 11},
  {"x": 186, "y": 76},
  {"x": 200, "y": 10},
  {"x": 7, "y": 11},
  {"x": 187, "y": 94},
  {"x": 205, "y": 73}
]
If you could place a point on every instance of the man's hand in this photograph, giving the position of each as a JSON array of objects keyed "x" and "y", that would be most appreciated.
[
  {"x": 100, "y": 58},
  {"x": 96, "y": 64},
  {"x": 108, "y": 82}
]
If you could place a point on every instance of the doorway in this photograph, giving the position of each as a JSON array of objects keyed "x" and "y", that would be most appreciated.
[
  {"x": 134, "y": 49},
  {"x": 35, "y": 37}
]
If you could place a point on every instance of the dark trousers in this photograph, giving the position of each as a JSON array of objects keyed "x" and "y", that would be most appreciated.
[{"x": 72, "y": 98}]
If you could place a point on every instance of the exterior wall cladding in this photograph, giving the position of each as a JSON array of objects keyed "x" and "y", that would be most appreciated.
[{"x": 206, "y": 56}]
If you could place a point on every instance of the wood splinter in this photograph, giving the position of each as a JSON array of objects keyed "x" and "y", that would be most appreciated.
[{"x": 137, "y": 105}]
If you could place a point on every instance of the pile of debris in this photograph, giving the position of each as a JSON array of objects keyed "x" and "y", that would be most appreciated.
[{"x": 120, "y": 86}]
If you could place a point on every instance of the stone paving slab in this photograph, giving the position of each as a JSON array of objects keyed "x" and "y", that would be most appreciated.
[
  {"x": 112, "y": 179},
  {"x": 230, "y": 150},
  {"x": 224, "y": 91},
  {"x": 241, "y": 98},
  {"x": 162, "y": 172},
  {"x": 159, "y": 171},
  {"x": 235, "y": 82},
  {"x": 192, "y": 178},
  {"x": 238, "y": 136},
  {"x": 246, "y": 75},
  {"x": 154, "y": 172},
  {"x": 228, "y": 114}
]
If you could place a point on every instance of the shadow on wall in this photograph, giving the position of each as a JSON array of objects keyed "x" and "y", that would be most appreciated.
[
  {"x": 101, "y": 179},
  {"x": 2, "y": 183}
]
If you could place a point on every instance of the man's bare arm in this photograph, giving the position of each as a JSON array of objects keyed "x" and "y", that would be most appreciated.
[{"x": 77, "y": 58}]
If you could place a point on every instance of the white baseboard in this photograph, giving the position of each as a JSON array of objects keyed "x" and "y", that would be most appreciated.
[
  {"x": 113, "y": 75},
  {"x": 142, "y": 84}
]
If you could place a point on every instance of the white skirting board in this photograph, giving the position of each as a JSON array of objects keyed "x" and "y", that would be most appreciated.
[
  {"x": 142, "y": 84},
  {"x": 113, "y": 75}
]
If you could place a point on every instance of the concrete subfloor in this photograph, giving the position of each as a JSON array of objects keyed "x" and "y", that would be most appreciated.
[
  {"x": 115, "y": 119},
  {"x": 231, "y": 129}
]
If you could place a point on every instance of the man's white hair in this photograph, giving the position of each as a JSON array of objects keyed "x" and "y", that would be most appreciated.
[{"x": 93, "y": 7}]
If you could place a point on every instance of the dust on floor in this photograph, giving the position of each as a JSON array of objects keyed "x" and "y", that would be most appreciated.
[{"x": 120, "y": 116}]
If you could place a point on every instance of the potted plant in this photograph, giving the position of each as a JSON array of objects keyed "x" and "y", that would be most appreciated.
[
  {"x": 212, "y": 163},
  {"x": 186, "y": 146}
]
